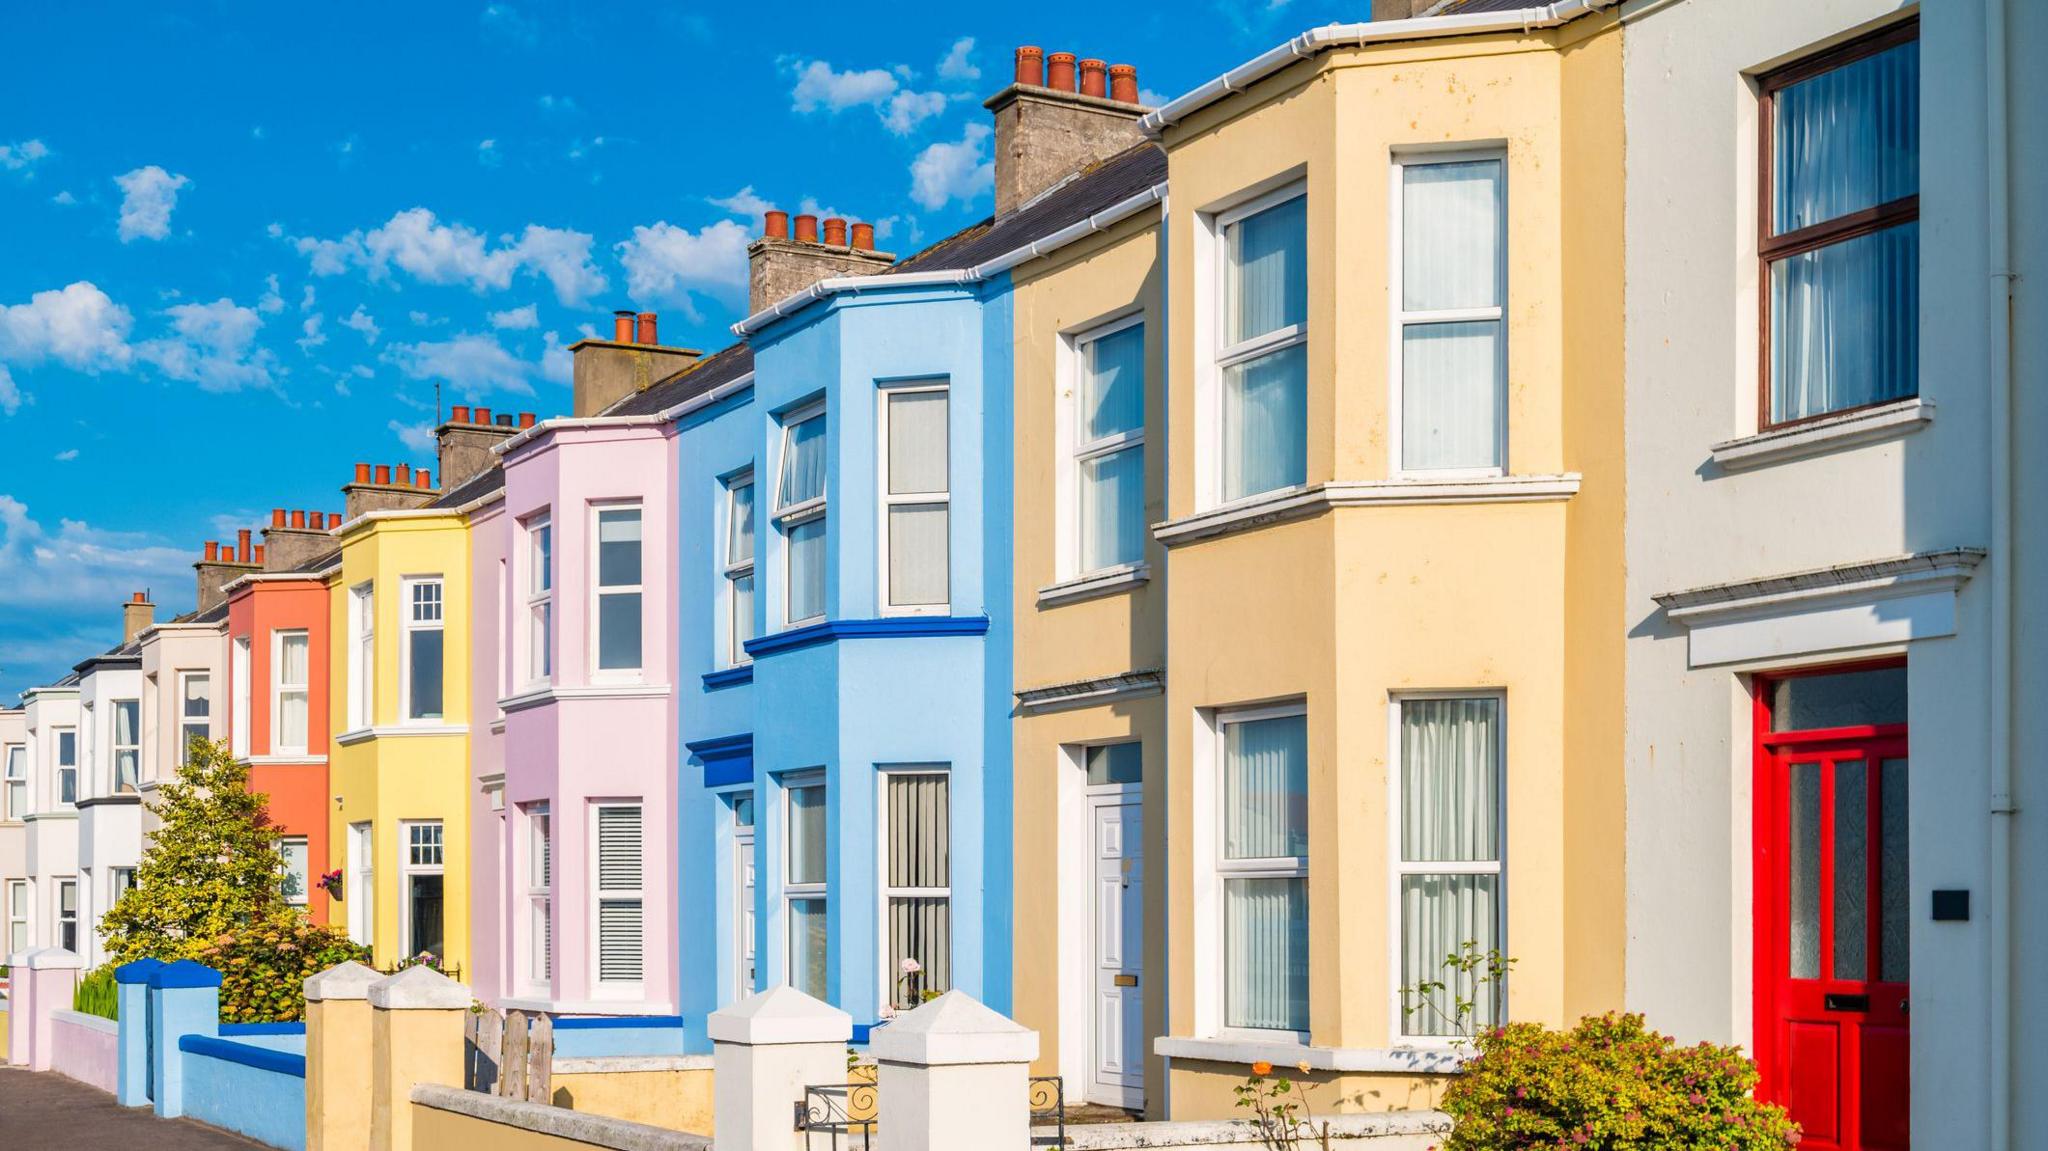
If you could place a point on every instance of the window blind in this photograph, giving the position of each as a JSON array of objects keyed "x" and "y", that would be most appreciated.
[{"x": 619, "y": 910}]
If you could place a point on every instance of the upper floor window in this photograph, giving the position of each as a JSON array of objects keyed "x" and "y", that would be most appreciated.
[
  {"x": 127, "y": 744},
  {"x": 1840, "y": 170},
  {"x": 67, "y": 765},
  {"x": 1447, "y": 865},
  {"x": 239, "y": 673},
  {"x": 16, "y": 781},
  {"x": 739, "y": 565},
  {"x": 618, "y": 589},
  {"x": 800, "y": 509},
  {"x": 540, "y": 599},
  {"x": 1108, "y": 511},
  {"x": 195, "y": 711},
  {"x": 423, "y": 653},
  {"x": 291, "y": 693},
  {"x": 1451, "y": 365},
  {"x": 362, "y": 655},
  {"x": 916, "y": 503},
  {"x": 1262, "y": 355}
]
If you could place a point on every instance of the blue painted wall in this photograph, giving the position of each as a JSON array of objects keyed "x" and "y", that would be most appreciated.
[{"x": 266, "y": 1105}]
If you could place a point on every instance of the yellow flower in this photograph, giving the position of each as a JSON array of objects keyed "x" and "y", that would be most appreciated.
[{"x": 1302, "y": 1067}]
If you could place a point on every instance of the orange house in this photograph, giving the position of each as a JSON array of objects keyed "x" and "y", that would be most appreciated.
[{"x": 277, "y": 698}]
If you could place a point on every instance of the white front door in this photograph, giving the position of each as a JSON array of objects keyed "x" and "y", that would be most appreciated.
[
  {"x": 1117, "y": 1042},
  {"x": 743, "y": 912}
]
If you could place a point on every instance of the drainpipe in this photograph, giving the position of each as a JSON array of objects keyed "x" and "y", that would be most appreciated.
[{"x": 1998, "y": 215}]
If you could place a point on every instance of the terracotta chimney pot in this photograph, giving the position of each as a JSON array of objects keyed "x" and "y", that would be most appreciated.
[
  {"x": 212, "y": 552},
  {"x": 646, "y": 331},
  {"x": 622, "y": 333},
  {"x": 423, "y": 478},
  {"x": 258, "y": 558},
  {"x": 242, "y": 544},
  {"x": 864, "y": 237},
  {"x": 362, "y": 473},
  {"x": 277, "y": 517},
  {"x": 459, "y": 414},
  {"x": 807, "y": 228},
  {"x": 404, "y": 473},
  {"x": 1093, "y": 78},
  {"x": 1031, "y": 66},
  {"x": 333, "y": 521},
  {"x": 1123, "y": 83},
  {"x": 526, "y": 419},
  {"x": 835, "y": 231},
  {"x": 298, "y": 520},
  {"x": 383, "y": 473},
  {"x": 775, "y": 225},
  {"x": 483, "y": 415},
  {"x": 1059, "y": 71}
]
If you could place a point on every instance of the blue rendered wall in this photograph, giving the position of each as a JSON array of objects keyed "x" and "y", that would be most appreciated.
[
  {"x": 586, "y": 1037},
  {"x": 264, "y": 1104}
]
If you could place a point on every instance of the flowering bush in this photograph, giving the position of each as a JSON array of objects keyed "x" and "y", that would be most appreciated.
[
  {"x": 1609, "y": 1084},
  {"x": 264, "y": 966},
  {"x": 1281, "y": 1111}
]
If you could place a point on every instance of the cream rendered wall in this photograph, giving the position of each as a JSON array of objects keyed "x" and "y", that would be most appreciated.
[
  {"x": 168, "y": 651},
  {"x": 1075, "y": 289}
]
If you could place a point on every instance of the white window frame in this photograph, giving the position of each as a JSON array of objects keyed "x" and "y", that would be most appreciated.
[
  {"x": 1400, "y": 319},
  {"x": 598, "y": 590},
  {"x": 794, "y": 515},
  {"x": 1075, "y": 454},
  {"x": 601, "y": 987},
  {"x": 886, "y": 965},
  {"x": 115, "y": 888},
  {"x": 362, "y": 654},
  {"x": 1213, "y": 299},
  {"x": 20, "y": 913},
  {"x": 115, "y": 749},
  {"x": 14, "y": 782},
  {"x": 742, "y": 913},
  {"x": 240, "y": 675},
  {"x": 279, "y": 689},
  {"x": 407, "y": 625},
  {"x": 57, "y": 735},
  {"x": 791, "y": 891},
  {"x": 1212, "y": 945},
  {"x": 186, "y": 727},
  {"x": 59, "y": 919},
  {"x": 1397, "y": 869},
  {"x": 406, "y": 869},
  {"x": 537, "y": 967},
  {"x": 305, "y": 895},
  {"x": 736, "y": 652},
  {"x": 361, "y": 892},
  {"x": 537, "y": 567},
  {"x": 885, "y": 500}
]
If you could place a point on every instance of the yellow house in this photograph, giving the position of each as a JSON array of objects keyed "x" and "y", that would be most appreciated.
[
  {"x": 398, "y": 766},
  {"x": 1393, "y": 522}
]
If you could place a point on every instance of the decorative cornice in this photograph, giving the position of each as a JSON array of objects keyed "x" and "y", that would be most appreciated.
[
  {"x": 551, "y": 693},
  {"x": 1863, "y": 426},
  {"x": 1303, "y": 503},
  {"x": 722, "y": 746},
  {"x": 833, "y": 630},
  {"x": 109, "y": 801},
  {"x": 1108, "y": 581},
  {"x": 729, "y": 677},
  {"x": 1871, "y": 580},
  {"x": 1417, "y": 1060},
  {"x": 1086, "y": 692},
  {"x": 399, "y": 731},
  {"x": 300, "y": 760}
]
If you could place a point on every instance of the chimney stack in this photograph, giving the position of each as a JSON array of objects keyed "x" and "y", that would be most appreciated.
[
  {"x": 137, "y": 614},
  {"x": 607, "y": 371},
  {"x": 1051, "y": 125},
  {"x": 293, "y": 538},
  {"x": 780, "y": 266},
  {"x": 376, "y": 490},
  {"x": 1400, "y": 9},
  {"x": 219, "y": 566},
  {"x": 466, "y": 442},
  {"x": 645, "y": 333}
]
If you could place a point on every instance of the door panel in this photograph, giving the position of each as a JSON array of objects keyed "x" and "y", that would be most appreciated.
[{"x": 1117, "y": 1076}]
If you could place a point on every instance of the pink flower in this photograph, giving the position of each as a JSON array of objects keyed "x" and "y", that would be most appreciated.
[{"x": 911, "y": 967}]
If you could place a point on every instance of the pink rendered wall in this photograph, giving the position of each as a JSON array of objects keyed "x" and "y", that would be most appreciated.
[
  {"x": 83, "y": 1051},
  {"x": 489, "y": 535}
]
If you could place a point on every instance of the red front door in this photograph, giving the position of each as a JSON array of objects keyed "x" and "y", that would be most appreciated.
[{"x": 1831, "y": 932}]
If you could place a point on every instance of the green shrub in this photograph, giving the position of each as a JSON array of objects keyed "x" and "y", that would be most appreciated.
[
  {"x": 1609, "y": 1084},
  {"x": 98, "y": 994},
  {"x": 264, "y": 966}
]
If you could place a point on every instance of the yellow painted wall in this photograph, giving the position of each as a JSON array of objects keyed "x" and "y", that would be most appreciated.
[
  {"x": 388, "y": 779},
  {"x": 1077, "y": 288},
  {"x": 678, "y": 1100},
  {"x": 1348, "y": 608}
]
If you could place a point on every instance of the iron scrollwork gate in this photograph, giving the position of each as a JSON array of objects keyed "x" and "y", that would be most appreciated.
[{"x": 840, "y": 1116}]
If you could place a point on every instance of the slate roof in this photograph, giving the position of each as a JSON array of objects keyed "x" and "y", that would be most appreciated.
[
  {"x": 721, "y": 367},
  {"x": 476, "y": 487},
  {"x": 1476, "y": 7},
  {"x": 1105, "y": 184}
]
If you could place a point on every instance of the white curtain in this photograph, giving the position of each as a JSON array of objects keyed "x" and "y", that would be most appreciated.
[
  {"x": 1450, "y": 813},
  {"x": 742, "y": 614},
  {"x": 291, "y": 703},
  {"x": 1439, "y": 915},
  {"x": 1265, "y": 423},
  {"x": 807, "y": 569},
  {"x": 807, "y": 834},
  {"x": 1451, "y": 395},
  {"x": 917, "y": 442},
  {"x": 920, "y": 856},
  {"x": 127, "y": 744},
  {"x": 1453, "y": 372},
  {"x": 1113, "y": 387},
  {"x": 803, "y": 463},
  {"x": 739, "y": 537},
  {"x": 1268, "y": 261},
  {"x": 917, "y": 554},
  {"x": 807, "y": 946},
  {"x": 1113, "y": 509},
  {"x": 1450, "y": 235}
]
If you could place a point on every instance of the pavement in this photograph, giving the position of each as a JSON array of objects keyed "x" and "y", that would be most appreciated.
[{"x": 43, "y": 1111}]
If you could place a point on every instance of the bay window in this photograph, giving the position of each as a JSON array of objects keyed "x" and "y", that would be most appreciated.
[
  {"x": 298, "y": 869},
  {"x": 127, "y": 745},
  {"x": 240, "y": 674},
  {"x": 917, "y": 884},
  {"x": 195, "y": 711},
  {"x": 362, "y": 655},
  {"x": 421, "y": 872},
  {"x": 800, "y": 510},
  {"x": 1263, "y": 868},
  {"x": 739, "y": 566},
  {"x": 290, "y": 692},
  {"x": 18, "y": 902},
  {"x": 804, "y": 887},
  {"x": 1108, "y": 510},
  {"x": 620, "y": 907},
  {"x": 1262, "y": 355},
  {"x": 618, "y": 590},
  {"x": 424, "y": 651},
  {"x": 540, "y": 902},
  {"x": 16, "y": 782},
  {"x": 1448, "y": 862},
  {"x": 1450, "y": 373},
  {"x": 67, "y": 765},
  {"x": 1840, "y": 242},
  {"x": 540, "y": 600},
  {"x": 916, "y": 504},
  {"x": 67, "y": 915}
]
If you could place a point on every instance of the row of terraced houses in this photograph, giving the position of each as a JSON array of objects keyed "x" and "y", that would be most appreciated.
[{"x": 1543, "y": 477}]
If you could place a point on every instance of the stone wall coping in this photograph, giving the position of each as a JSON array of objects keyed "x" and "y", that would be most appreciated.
[
  {"x": 47, "y": 958},
  {"x": 954, "y": 1029},
  {"x": 580, "y": 1126},
  {"x": 136, "y": 970},
  {"x": 1242, "y": 1132},
  {"x": 350, "y": 980},
  {"x": 620, "y": 1064},
  {"x": 779, "y": 1015},
  {"x": 184, "y": 973},
  {"x": 89, "y": 1022},
  {"x": 418, "y": 989}
]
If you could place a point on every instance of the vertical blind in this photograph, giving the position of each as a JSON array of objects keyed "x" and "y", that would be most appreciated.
[
  {"x": 1265, "y": 398},
  {"x": 807, "y": 834},
  {"x": 920, "y": 868},
  {"x": 1450, "y": 814},
  {"x": 1265, "y": 806},
  {"x": 1453, "y": 361},
  {"x": 1265, "y": 903},
  {"x": 1112, "y": 412},
  {"x": 127, "y": 744},
  {"x": 917, "y": 487},
  {"x": 619, "y": 918},
  {"x": 807, "y": 570}
]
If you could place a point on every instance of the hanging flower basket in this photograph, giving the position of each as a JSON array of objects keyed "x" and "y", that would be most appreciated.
[{"x": 331, "y": 883}]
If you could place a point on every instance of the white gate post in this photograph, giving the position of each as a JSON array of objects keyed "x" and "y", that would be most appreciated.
[
  {"x": 951, "y": 1074},
  {"x": 767, "y": 1048}
]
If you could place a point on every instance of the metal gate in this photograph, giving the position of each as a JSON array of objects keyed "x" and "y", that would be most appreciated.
[{"x": 843, "y": 1116}]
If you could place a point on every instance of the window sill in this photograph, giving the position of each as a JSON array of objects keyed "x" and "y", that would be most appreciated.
[
  {"x": 553, "y": 694},
  {"x": 1417, "y": 1060},
  {"x": 1833, "y": 433},
  {"x": 1290, "y": 504},
  {"x": 1108, "y": 581},
  {"x": 729, "y": 677},
  {"x": 284, "y": 759},
  {"x": 397, "y": 731}
]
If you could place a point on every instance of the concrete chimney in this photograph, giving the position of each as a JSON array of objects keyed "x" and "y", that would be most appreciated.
[
  {"x": 293, "y": 538},
  {"x": 779, "y": 266},
  {"x": 603, "y": 372},
  {"x": 381, "y": 491},
  {"x": 1402, "y": 9},
  {"x": 138, "y": 613},
  {"x": 466, "y": 446},
  {"x": 1052, "y": 125},
  {"x": 217, "y": 568}
]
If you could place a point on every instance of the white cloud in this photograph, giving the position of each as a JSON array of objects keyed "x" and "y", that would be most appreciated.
[
  {"x": 510, "y": 23},
  {"x": 79, "y": 564},
  {"x": 416, "y": 242},
  {"x": 10, "y": 393},
  {"x": 958, "y": 63},
  {"x": 416, "y": 437},
  {"x": 273, "y": 300},
  {"x": 472, "y": 364},
  {"x": 821, "y": 87},
  {"x": 907, "y": 109},
  {"x": 148, "y": 195},
  {"x": 953, "y": 171},
  {"x": 23, "y": 155},
  {"x": 488, "y": 155},
  {"x": 516, "y": 319},
  {"x": 212, "y": 345},
  {"x": 77, "y": 326},
  {"x": 1152, "y": 99},
  {"x": 562, "y": 104},
  {"x": 421, "y": 319},
  {"x": 67, "y": 455},
  {"x": 64, "y": 198},
  {"x": 741, "y": 203},
  {"x": 556, "y": 362},
  {"x": 665, "y": 262},
  {"x": 307, "y": 299},
  {"x": 313, "y": 337},
  {"x": 361, "y": 321}
]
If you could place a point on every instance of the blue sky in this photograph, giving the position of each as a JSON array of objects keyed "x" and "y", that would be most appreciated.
[{"x": 239, "y": 243}]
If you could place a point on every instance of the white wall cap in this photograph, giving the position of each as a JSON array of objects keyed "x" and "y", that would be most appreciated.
[
  {"x": 781, "y": 1014},
  {"x": 955, "y": 1028},
  {"x": 349, "y": 980},
  {"x": 418, "y": 988},
  {"x": 48, "y": 958}
]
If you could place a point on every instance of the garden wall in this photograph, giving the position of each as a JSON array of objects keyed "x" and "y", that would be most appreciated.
[
  {"x": 585, "y": 1036},
  {"x": 670, "y": 1091},
  {"x": 86, "y": 1048},
  {"x": 1391, "y": 1131},
  {"x": 450, "y": 1119},
  {"x": 255, "y": 1091}
]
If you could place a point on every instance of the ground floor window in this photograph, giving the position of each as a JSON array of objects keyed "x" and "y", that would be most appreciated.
[
  {"x": 743, "y": 895},
  {"x": 361, "y": 892},
  {"x": 298, "y": 875},
  {"x": 1263, "y": 866},
  {"x": 804, "y": 886},
  {"x": 540, "y": 902},
  {"x": 421, "y": 892},
  {"x": 917, "y": 885},
  {"x": 18, "y": 898},
  {"x": 67, "y": 914},
  {"x": 123, "y": 883},
  {"x": 621, "y": 902}
]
